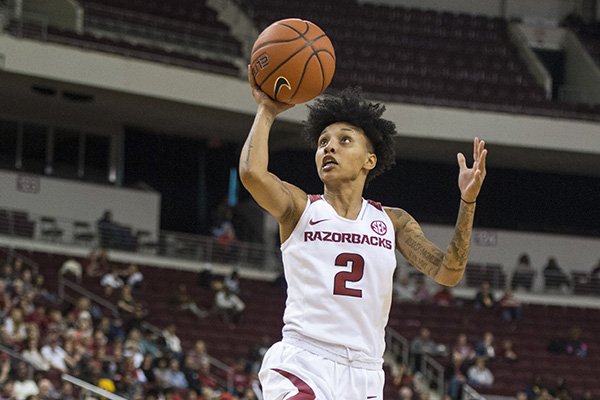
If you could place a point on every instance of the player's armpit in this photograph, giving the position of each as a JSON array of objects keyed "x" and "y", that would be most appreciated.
[{"x": 419, "y": 251}]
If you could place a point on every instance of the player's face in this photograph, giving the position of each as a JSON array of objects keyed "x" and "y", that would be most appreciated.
[{"x": 343, "y": 153}]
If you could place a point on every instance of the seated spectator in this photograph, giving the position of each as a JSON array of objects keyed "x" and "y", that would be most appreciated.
[
  {"x": 71, "y": 267},
  {"x": 110, "y": 282},
  {"x": 14, "y": 328},
  {"x": 232, "y": 282},
  {"x": 228, "y": 306},
  {"x": 554, "y": 277},
  {"x": 421, "y": 345},
  {"x": 455, "y": 375},
  {"x": 54, "y": 354},
  {"x": 174, "y": 378},
  {"x": 485, "y": 348},
  {"x": 463, "y": 348},
  {"x": 32, "y": 355},
  {"x": 97, "y": 263},
  {"x": 126, "y": 302},
  {"x": 510, "y": 307},
  {"x": 133, "y": 276},
  {"x": 523, "y": 274},
  {"x": 484, "y": 299},
  {"x": 443, "y": 297},
  {"x": 479, "y": 374},
  {"x": 190, "y": 371},
  {"x": 257, "y": 353},
  {"x": 560, "y": 390},
  {"x": 402, "y": 375},
  {"x": 404, "y": 289},
  {"x": 184, "y": 301},
  {"x": 572, "y": 344},
  {"x": 48, "y": 392},
  {"x": 508, "y": 353},
  {"x": 23, "y": 386},
  {"x": 172, "y": 340}
]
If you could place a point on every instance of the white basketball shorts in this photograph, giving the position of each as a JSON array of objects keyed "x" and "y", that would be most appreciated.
[{"x": 292, "y": 373}]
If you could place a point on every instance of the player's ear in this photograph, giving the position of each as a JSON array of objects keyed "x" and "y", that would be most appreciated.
[{"x": 371, "y": 161}]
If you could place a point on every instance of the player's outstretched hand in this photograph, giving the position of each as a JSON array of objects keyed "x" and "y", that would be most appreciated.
[
  {"x": 471, "y": 179},
  {"x": 272, "y": 106}
]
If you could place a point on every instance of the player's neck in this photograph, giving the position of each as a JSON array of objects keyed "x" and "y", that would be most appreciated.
[{"x": 347, "y": 201}]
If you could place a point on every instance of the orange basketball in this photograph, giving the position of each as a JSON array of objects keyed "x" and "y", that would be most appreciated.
[{"x": 293, "y": 61}]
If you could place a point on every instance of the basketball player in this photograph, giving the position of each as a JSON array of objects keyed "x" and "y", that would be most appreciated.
[{"x": 339, "y": 249}]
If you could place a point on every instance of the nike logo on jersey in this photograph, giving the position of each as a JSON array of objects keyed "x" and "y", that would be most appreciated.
[
  {"x": 371, "y": 397},
  {"x": 313, "y": 222}
]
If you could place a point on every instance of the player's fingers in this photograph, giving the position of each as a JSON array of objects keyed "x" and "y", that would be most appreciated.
[
  {"x": 251, "y": 80},
  {"x": 482, "y": 160},
  {"x": 475, "y": 147},
  {"x": 462, "y": 163}
]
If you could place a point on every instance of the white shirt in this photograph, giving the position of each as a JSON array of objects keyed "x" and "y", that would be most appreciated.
[
  {"x": 55, "y": 356},
  {"x": 112, "y": 281},
  {"x": 229, "y": 302},
  {"x": 22, "y": 389},
  {"x": 340, "y": 279}
]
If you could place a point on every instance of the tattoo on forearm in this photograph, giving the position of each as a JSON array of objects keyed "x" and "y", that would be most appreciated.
[
  {"x": 426, "y": 259},
  {"x": 458, "y": 250}
]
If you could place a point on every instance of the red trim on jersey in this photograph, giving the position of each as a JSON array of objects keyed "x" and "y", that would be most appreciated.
[
  {"x": 304, "y": 391},
  {"x": 375, "y": 204},
  {"x": 314, "y": 197}
]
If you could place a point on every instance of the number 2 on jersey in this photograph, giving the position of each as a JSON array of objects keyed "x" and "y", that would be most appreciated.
[{"x": 354, "y": 275}]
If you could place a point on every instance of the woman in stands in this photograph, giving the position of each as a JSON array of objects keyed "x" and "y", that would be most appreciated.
[{"x": 339, "y": 249}]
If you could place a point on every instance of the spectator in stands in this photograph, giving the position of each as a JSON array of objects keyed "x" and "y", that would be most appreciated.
[
  {"x": 455, "y": 376},
  {"x": 110, "y": 282},
  {"x": 402, "y": 375},
  {"x": 484, "y": 299},
  {"x": 404, "y": 289},
  {"x": 560, "y": 390},
  {"x": 184, "y": 301},
  {"x": 422, "y": 345},
  {"x": 572, "y": 344},
  {"x": 523, "y": 274},
  {"x": 232, "y": 282},
  {"x": 479, "y": 374},
  {"x": 228, "y": 306},
  {"x": 97, "y": 263},
  {"x": 190, "y": 371},
  {"x": 134, "y": 277},
  {"x": 554, "y": 276},
  {"x": 508, "y": 353},
  {"x": 443, "y": 297},
  {"x": 485, "y": 348},
  {"x": 463, "y": 348},
  {"x": 160, "y": 372},
  {"x": 54, "y": 354},
  {"x": 71, "y": 267},
  {"x": 23, "y": 386},
  {"x": 48, "y": 392},
  {"x": 174, "y": 377},
  {"x": 14, "y": 328},
  {"x": 510, "y": 307},
  {"x": 126, "y": 303},
  {"x": 172, "y": 340},
  {"x": 33, "y": 356}
]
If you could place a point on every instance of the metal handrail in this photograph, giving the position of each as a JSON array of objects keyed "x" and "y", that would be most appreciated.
[
  {"x": 63, "y": 282},
  {"x": 434, "y": 372},
  {"x": 397, "y": 344},
  {"x": 471, "y": 394},
  {"x": 89, "y": 387}
]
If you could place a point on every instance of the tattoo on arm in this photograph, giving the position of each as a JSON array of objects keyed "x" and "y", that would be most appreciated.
[{"x": 458, "y": 250}]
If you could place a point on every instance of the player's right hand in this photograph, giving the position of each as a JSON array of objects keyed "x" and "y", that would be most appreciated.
[{"x": 268, "y": 104}]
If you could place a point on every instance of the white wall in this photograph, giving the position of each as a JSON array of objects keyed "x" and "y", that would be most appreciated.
[
  {"x": 571, "y": 252},
  {"x": 69, "y": 64},
  {"x": 81, "y": 201}
]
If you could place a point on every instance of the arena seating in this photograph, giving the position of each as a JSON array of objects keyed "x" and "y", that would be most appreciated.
[
  {"x": 420, "y": 56},
  {"x": 263, "y": 316}
]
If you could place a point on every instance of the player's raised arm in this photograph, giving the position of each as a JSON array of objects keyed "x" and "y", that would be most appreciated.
[
  {"x": 281, "y": 199},
  {"x": 446, "y": 268}
]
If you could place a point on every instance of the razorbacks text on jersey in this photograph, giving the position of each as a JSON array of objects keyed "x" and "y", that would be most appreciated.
[{"x": 340, "y": 275}]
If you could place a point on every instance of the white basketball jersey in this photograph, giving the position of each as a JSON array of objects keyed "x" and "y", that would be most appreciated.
[{"x": 339, "y": 274}]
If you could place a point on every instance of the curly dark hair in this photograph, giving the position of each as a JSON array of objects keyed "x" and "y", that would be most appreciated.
[{"x": 350, "y": 106}]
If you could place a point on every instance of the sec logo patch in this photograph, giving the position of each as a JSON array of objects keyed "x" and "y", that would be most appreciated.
[{"x": 379, "y": 227}]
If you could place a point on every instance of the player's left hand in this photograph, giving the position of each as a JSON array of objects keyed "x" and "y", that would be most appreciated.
[{"x": 471, "y": 179}]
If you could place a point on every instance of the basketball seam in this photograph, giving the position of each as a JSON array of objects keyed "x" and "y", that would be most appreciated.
[
  {"x": 308, "y": 44},
  {"x": 304, "y": 73},
  {"x": 297, "y": 31},
  {"x": 277, "y": 41}
]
